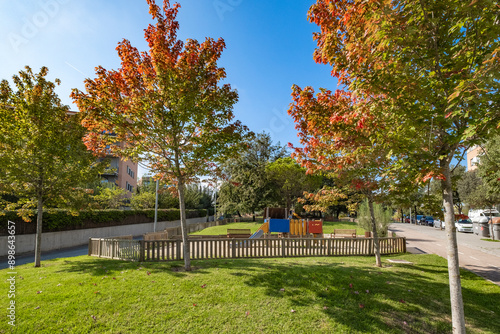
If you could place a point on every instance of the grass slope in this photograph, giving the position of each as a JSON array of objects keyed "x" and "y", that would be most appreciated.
[{"x": 298, "y": 295}]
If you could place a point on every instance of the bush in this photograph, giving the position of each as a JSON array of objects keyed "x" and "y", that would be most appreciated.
[
  {"x": 63, "y": 220},
  {"x": 143, "y": 200}
]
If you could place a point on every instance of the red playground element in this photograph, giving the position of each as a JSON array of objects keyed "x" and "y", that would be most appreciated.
[{"x": 316, "y": 226}]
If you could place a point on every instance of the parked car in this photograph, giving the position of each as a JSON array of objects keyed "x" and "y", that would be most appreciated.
[
  {"x": 429, "y": 220},
  {"x": 464, "y": 224},
  {"x": 419, "y": 219},
  {"x": 438, "y": 223}
]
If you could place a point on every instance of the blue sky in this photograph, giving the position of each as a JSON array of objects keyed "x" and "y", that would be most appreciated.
[{"x": 269, "y": 47}]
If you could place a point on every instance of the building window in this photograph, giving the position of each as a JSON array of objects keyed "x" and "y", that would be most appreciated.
[
  {"x": 130, "y": 172},
  {"x": 129, "y": 187}
]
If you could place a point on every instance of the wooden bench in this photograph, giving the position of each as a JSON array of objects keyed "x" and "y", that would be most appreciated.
[
  {"x": 155, "y": 236},
  {"x": 238, "y": 233},
  {"x": 344, "y": 233}
]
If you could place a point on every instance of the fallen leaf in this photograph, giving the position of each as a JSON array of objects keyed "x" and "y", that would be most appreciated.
[
  {"x": 350, "y": 285},
  {"x": 114, "y": 277},
  {"x": 356, "y": 292},
  {"x": 282, "y": 289},
  {"x": 402, "y": 301},
  {"x": 94, "y": 317},
  {"x": 36, "y": 308},
  {"x": 293, "y": 311},
  {"x": 59, "y": 284},
  {"x": 325, "y": 307},
  {"x": 194, "y": 304},
  {"x": 367, "y": 291},
  {"x": 361, "y": 305},
  {"x": 38, "y": 292},
  {"x": 247, "y": 313},
  {"x": 149, "y": 273}
]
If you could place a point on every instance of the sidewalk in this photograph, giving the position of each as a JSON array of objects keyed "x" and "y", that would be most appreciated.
[{"x": 479, "y": 256}]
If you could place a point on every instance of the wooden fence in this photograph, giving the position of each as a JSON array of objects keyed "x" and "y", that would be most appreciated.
[{"x": 171, "y": 250}]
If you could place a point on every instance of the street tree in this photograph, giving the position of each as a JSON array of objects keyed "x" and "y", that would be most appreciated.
[
  {"x": 337, "y": 131},
  {"x": 166, "y": 107},
  {"x": 43, "y": 159},
  {"x": 436, "y": 65}
]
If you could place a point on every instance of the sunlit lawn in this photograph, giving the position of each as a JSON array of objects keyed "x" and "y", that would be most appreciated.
[
  {"x": 327, "y": 227},
  {"x": 292, "y": 295}
]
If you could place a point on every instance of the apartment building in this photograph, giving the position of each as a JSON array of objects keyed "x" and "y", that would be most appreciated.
[
  {"x": 123, "y": 173},
  {"x": 473, "y": 154}
]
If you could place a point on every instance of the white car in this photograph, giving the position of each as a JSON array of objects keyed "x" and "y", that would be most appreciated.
[
  {"x": 438, "y": 223},
  {"x": 464, "y": 225}
]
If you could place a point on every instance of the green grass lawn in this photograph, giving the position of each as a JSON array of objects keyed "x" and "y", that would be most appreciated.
[
  {"x": 327, "y": 227},
  {"x": 293, "y": 295}
]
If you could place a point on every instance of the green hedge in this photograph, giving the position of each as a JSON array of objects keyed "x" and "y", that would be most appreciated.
[{"x": 62, "y": 220}]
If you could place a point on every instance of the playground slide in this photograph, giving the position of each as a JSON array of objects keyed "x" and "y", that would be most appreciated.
[{"x": 257, "y": 234}]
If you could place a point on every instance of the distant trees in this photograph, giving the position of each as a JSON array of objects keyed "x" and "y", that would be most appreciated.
[
  {"x": 43, "y": 160},
  {"x": 247, "y": 186}
]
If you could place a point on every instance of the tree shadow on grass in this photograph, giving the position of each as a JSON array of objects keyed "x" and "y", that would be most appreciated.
[
  {"x": 395, "y": 298},
  {"x": 351, "y": 291}
]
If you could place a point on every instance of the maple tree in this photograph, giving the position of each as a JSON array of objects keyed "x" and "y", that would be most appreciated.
[
  {"x": 165, "y": 107},
  {"x": 436, "y": 65},
  {"x": 43, "y": 160},
  {"x": 337, "y": 131}
]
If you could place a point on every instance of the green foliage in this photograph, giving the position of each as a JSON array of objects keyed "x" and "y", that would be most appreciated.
[
  {"x": 248, "y": 187},
  {"x": 60, "y": 220},
  {"x": 290, "y": 180},
  {"x": 383, "y": 218},
  {"x": 110, "y": 197},
  {"x": 42, "y": 156},
  {"x": 143, "y": 200}
]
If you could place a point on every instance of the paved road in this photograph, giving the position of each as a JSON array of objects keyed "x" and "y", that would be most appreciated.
[
  {"x": 55, "y": 254},
  {"x": 479, "y": 256}
]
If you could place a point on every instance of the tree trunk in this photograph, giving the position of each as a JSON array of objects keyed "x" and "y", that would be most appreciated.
[
  {"x": 402, "y": 216},
  {"x": 376, "y": 243},
  {"x": 253, "y": 215},
  {"x": 185, "y": 238},
  {"x": 38, "y": 240},
  {"x": 457, "y": 306}
]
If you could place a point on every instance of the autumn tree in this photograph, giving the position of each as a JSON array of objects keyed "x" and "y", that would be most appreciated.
[
  {"x": 436, "y": 65},
  {"x": 43, "y": 159},
  {"x": 165, "y": 107},
  {"x": 337, "y": 131}
]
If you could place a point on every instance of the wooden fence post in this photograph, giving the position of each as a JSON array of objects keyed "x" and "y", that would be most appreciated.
[
  {"x": 90, "y": 246},
  {"x": 178, "y": 250},
  {"x": 141, "y": 250}
]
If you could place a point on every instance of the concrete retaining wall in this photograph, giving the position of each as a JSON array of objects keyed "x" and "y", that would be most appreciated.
[{"x": 56, "y": 240}]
